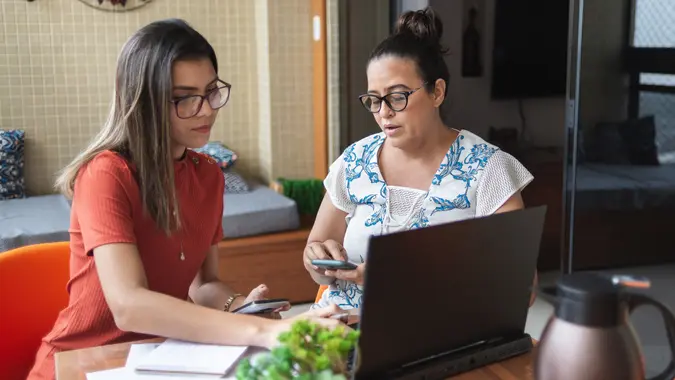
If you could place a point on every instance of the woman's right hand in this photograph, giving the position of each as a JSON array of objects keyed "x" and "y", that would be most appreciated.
[
  {"x": 327, "y": 250},
  {"x": 320, "y": 316}
]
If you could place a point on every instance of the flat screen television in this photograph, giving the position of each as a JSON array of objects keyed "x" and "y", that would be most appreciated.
[{"x": 529, "y": 58}]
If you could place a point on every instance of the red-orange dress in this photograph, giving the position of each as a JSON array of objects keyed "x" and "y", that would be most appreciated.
[{"x": 107, "y": 209}]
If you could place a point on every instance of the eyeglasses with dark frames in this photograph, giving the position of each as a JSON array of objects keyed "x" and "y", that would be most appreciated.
[
  {"x": 397, "y": 101},
  {"x": 189, "y": 106}
]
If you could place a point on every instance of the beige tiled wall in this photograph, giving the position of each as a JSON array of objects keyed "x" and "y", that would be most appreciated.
[
  {"x": 264, "y": 112},
  {"x": 290, "y": 57},
  {"x": 57, "y": 60}
]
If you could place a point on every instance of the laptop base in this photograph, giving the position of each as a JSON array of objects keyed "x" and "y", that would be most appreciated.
[{"x": 450, "y": 364}]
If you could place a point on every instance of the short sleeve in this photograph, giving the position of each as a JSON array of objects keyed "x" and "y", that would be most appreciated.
[
  {"x": 502, "y": 177},
  {"x": 336, "y": 186},
  {"x": 102, "y": 204},
  {"x": 218, "y": 235}
]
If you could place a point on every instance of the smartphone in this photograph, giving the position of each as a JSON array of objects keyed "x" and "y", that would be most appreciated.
[
  {"x": 262, "y": 306},
  {"x": 334, "y": 264}
]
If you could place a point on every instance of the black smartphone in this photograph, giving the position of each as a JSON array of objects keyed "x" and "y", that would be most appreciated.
[
  {"x": 262, "y": 306},
  {"x": 334, "y": 264}
]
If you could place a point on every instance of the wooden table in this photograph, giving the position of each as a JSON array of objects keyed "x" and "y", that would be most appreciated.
[{"x": 73, "y": 365}]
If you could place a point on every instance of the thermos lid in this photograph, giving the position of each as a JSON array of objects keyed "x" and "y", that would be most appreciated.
[{"x": 589, "y": 299}]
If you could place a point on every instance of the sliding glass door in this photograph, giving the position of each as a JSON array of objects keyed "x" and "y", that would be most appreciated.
[{"x": 620, "y": 173}]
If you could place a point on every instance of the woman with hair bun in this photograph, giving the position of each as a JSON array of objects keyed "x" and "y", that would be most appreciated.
[{"x": 417, "y": 172}]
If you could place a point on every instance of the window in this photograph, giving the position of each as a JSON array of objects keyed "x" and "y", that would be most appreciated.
[
  {"x": 652, "y": 69},
  {"x": 654, "y": 24}
]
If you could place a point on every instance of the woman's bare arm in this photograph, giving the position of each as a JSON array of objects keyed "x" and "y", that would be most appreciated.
[
  {"x": 326, "y": 237},
  {"x": 207, "y": 289},
  {"x": 138, "y": 309}
]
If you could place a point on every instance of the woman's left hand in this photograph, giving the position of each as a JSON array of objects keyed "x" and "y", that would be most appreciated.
[
  {"x": 258, "y": 294},
  {"x": 355, "y": 275}
]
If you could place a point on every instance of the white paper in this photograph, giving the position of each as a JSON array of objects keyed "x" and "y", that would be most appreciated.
[
  {"x": 138, "y": 352},
  {"x": 110, "y": 374},
  {"x": 125, "y": 373},
  {"x": 187, "y": 357}
]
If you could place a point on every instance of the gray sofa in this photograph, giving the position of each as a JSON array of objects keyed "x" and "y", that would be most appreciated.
[{"x": 46, "y": 218}]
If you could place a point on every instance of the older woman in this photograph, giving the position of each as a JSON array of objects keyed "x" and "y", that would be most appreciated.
[{"x": 417, "y": 172}]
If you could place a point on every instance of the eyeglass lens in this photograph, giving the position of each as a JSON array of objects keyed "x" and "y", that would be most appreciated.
[
  {"x": 397, "y": 102},
  {"x": 191, "y": 105}
]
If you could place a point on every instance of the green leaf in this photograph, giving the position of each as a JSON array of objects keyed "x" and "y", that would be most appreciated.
[
  {"x": 282, "y": 353},
  {"x": 322, "y": 362},
  {"x": 345, "y": 346},
  {"x": 353, "y": 335}
]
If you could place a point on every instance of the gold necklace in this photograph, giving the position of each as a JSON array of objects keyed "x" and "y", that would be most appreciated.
[{"x": 182, "y": 255}]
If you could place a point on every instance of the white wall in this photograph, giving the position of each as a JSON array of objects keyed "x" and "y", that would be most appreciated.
[
  {"x": 413, "y": 5},
  {"x": 470, "y": 104}
]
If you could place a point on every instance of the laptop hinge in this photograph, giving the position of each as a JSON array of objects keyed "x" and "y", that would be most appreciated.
[{"x": 466, "y": 359}]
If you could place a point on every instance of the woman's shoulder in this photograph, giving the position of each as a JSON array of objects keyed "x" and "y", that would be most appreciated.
[
  {"x": 471, "y": 140},
  {"x": 475, "y": 149},
  {"x": 365, "y": 143},
  {"x": 107, "y": 170},
  {"x": 206, "y": 167},
  {"x": 107, "y": 162}
]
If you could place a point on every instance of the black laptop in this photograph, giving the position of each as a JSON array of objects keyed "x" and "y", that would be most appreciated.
[{"x": 445, "y": 299}]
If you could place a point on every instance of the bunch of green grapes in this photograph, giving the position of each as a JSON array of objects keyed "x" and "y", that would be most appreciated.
[{"x": 308, "y": 351}]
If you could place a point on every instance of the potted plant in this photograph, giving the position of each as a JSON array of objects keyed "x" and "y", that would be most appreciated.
[{"x": 308, "y": 351}]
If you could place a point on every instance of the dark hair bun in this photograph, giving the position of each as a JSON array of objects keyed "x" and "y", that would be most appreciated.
[{"x": 423, "y": 24}]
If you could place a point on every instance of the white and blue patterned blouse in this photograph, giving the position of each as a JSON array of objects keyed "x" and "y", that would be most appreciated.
[{"x": 474, "y": 179}]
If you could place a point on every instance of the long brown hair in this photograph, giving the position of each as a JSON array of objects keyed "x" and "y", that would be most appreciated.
[{"x": 138, "y": 125}]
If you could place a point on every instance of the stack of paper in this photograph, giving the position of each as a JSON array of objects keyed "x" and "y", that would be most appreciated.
[
  {"x": 175, "y": 356},
  {"x": 175, "y": 360}
]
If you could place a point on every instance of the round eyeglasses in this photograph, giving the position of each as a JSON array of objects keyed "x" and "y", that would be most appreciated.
[
  {"x": 189, "y": 106},
  {"x": 397, "y": 101}
]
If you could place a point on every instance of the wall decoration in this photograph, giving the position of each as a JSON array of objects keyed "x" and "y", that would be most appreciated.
[
  {"x": 473, "y": 35},
  {"x": 115, "y": 5}
]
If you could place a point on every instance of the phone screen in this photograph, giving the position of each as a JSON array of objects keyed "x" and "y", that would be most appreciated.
[
  {"x": 262, "y": 306},
  {"x": 334, "y": 264}
]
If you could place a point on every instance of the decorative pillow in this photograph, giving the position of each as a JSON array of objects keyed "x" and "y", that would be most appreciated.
[
  {"x": 607, "y": 145},
  {"x": 639, "y": 135},
  {"x": 224, "y": 156},
  {"x": 235, "y": 183},
  {"x": 631, "y": 142},
  {"x": 11, "y": 164}
]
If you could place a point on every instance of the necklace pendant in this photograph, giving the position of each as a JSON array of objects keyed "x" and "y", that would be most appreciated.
[{"x": 182, "y": 256}]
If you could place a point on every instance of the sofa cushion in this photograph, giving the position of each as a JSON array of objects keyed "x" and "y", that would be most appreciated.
[
  {"x": 259, "y": 211},
  {"x": 33, "y": 220},
  {"x": 11, "y": 164}
]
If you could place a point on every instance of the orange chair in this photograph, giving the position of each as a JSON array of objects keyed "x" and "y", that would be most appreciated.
[
  {"x": 322, "y": 288},
  {"x": 32, "y": 292}
]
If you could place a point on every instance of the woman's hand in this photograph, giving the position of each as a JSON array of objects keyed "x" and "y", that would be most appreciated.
[
  {"x": 328, "y": 250},
  {"x": 258, "y": 294},
  {"x": 355, "y": 275},
  {"x": 320, "y": 316}
]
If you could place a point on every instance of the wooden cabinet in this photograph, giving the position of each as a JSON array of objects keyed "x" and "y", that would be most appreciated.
[{"x": 273, "y": 259}]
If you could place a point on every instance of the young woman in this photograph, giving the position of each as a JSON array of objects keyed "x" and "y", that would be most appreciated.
[
  {"x": 147, "y": 211},
  {"x": 417, "y": 172}
]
